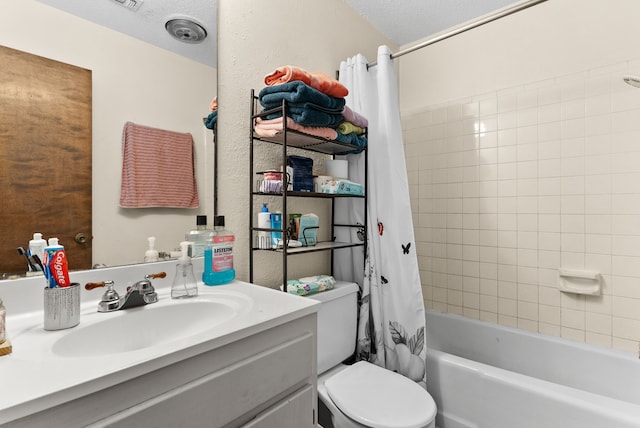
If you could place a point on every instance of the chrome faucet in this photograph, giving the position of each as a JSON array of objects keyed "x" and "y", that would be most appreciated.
[{"x": 139, "y": 294}]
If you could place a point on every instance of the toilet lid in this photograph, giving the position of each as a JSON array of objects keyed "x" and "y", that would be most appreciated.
[{"x": 379, "y": 398}]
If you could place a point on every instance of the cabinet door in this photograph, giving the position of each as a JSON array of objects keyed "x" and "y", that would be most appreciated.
[
  {"x": 221, "y": 397},
  {"x": 293, "y": 411}
]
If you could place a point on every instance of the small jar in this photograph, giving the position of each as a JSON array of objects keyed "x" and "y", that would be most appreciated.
[{"x": 3, "y": 314}]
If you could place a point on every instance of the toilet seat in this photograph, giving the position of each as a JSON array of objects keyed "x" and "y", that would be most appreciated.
[{"x": 379, "y": 398}]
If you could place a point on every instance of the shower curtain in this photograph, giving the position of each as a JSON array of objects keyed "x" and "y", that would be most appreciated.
[{"x": 391, "y": 325}]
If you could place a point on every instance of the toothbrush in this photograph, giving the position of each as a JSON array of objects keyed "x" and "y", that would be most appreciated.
[
  {"x": 36, "y": 260},
  {"x": 22, "y": 252}
]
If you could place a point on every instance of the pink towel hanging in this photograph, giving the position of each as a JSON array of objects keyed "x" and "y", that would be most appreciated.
[{"x": 157, "y": 168}]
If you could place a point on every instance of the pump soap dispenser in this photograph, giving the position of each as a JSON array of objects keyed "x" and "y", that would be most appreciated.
[
  {"x": 151, "y": 255},
  {"x": 184, "y": 283}
]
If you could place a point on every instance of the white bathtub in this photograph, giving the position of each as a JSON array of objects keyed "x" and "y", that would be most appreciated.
[{"x": 488, "y": 376}]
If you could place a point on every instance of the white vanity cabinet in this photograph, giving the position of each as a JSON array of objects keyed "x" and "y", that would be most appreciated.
[
  {"x": 266, "y": 380},
  {"x": 257, "y": 371}
]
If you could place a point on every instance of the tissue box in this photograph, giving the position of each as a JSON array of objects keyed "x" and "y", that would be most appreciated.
[
  {"x": 310, "y": 285},
  {"x": 347, "y": 187},
  {"x": 339, "y": 186}
]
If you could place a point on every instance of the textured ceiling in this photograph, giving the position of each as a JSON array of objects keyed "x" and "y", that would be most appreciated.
[
  {"x": 403, "y": 21},
  {"x": 406, "y": 21},
  {"x": 147, "y": 23}
]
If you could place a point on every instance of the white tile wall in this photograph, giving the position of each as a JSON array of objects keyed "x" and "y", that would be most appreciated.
[{"x": 509, "y": 186}]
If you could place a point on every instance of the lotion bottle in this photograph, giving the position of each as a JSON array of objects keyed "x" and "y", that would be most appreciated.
[
  {"x": 264, "y": 222},
  {"x": 218, "y": 256}
]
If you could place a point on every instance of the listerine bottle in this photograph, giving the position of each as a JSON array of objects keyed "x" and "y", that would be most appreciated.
[{"x": 218, "y": 256}]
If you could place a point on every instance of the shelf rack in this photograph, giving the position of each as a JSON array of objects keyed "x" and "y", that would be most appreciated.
[{"x": 287, "y": 139}]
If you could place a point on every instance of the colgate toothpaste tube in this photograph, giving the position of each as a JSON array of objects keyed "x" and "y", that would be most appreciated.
[{"x": 56, "y": 269}]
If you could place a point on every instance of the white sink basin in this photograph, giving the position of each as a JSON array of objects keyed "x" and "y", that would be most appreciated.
[
  {"x": 162, "y": 325},
  {"x": 143, "y": 327}
]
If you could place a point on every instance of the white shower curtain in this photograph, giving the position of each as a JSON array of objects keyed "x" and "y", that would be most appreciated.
[{"x": 391, "y": 327}]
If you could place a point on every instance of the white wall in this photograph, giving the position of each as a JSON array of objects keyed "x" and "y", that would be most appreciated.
[
  {"x": 255, "y": 38},
  {"x": 549, "y": 180},
  {"x": 551, "y": 39},
  {"x": 132, "y": 81}
]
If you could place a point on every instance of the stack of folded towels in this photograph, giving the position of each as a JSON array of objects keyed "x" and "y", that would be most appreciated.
[
  {"x": 315, "y": 106},
  {"x": 212, "y": 118}
]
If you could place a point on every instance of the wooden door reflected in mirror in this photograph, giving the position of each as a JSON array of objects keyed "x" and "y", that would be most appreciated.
[{"x": 45, "y": 157}]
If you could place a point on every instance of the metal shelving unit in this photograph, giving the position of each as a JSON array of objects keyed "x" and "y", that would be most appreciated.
[{"x": 287, "y": 139}]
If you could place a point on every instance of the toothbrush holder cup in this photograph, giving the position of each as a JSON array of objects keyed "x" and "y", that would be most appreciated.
[{"x": 62, "y": 307}]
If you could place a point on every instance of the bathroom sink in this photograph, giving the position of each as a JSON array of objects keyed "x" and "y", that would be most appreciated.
[
  {"x": 153, "y": 328},
  {"x": 143, "y": 327}
]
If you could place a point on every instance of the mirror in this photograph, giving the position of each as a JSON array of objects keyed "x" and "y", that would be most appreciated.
[{"x": 132, "y": 81}]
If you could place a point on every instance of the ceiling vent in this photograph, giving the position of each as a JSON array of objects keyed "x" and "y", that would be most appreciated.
[
  {"x": 186, "y": 30},
  {"x": 132, "y": 5}
]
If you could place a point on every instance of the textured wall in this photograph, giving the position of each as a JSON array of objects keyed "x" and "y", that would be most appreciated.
[
  {"x": 255, "y": 38},
  {"x": 132, "y": 81}
]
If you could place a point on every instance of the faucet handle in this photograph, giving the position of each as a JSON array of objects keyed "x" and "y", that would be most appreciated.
[
  {"x": 91, "y": 285},
  {"x": 156, "y": 275},
  {"x": 110, "y": 297}
]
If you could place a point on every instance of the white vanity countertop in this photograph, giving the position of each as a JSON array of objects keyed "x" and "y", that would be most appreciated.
[{"x": 31, "y": 382}]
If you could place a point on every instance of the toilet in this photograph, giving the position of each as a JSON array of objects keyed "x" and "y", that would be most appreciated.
[{"x": 361, "y": 394}]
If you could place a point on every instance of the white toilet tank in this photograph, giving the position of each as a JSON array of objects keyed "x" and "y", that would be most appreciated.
[{"x": 337, "y": 324}]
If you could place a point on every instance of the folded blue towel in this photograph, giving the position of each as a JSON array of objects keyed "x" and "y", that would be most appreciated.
[
  {"x": 297, "y": 92},
  {"x": 352, "y": 138},
  {"x": 309, "y": 105},
  {"x": 308, "y": 116},
  {"x": 211, "y": 119}
]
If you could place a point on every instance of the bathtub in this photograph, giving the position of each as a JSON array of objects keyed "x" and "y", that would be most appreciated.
[{"x": 488, "y": 376}]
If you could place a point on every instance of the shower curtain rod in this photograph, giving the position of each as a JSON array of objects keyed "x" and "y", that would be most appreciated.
[{"x": 458, "y": 30}]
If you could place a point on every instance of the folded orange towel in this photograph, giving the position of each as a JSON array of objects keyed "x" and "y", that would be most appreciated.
[
  {"x": 157, "y": 168},
  {"x": 317, "y": 80}
]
